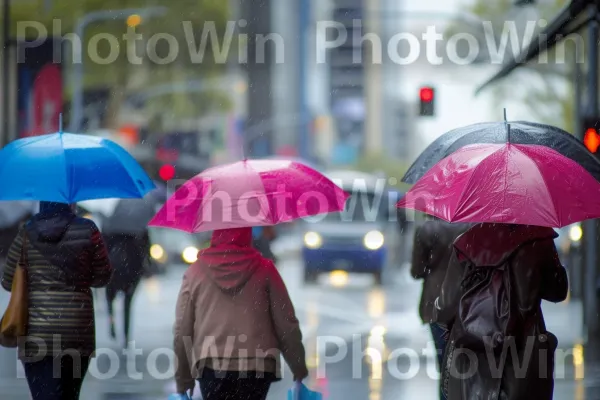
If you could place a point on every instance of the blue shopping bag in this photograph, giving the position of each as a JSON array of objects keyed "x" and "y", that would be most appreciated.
[
  {"x": 301, "y": 392},
  {"x": 180, "y": 397}
]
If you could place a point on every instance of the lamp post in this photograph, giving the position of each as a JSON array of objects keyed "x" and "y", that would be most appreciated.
[{"x": 77, "y": 80}]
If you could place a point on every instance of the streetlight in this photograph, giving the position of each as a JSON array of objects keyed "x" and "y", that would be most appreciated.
[
  {"x": 134, "y": 20},
  {"x": 133, "y": 17}
]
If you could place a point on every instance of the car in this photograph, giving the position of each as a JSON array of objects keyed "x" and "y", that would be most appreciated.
[
  {"x": 361, "y": 239},
  {"x": 173, "y": 247}
]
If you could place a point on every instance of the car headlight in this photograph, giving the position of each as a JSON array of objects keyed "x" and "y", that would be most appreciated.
[
  {"x": 312, "y": 240},
  {"x": 157, "y": 252},
  {"x": 373, "y": 240},
  {"x": 190, "y": 254},
  {"x": 575, "y": 233}
]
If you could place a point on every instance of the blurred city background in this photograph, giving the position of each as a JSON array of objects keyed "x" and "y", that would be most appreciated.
[{"x": 210, "y": 99}]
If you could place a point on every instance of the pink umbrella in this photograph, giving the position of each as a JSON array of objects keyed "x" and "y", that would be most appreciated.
[
  {"x": 507, "y": 183},
  {"x": 250, "y": 193}
]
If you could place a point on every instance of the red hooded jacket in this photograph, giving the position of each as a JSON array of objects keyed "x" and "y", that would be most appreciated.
[{"x": 234, "y": 313}]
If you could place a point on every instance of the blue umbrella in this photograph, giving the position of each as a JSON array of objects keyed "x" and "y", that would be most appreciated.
[{"x": 68, "y": 168}]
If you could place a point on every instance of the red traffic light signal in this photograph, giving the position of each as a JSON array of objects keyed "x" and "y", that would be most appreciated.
[
  {"x": 427, "y": 101},
  {"x": 591, "y": 140},
  {"x": 166, "y": 172},
  {"x": 426, "y": 94}
]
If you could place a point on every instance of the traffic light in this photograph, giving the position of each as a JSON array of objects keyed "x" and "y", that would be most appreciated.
[
  {"x": 427, "y": 101},
  {"x": 166, "y": 172},
  {"x": 591, "y": 137}
]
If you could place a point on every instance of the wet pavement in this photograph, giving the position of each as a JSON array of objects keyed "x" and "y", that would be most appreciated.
[{"x": 363, "y": 342}]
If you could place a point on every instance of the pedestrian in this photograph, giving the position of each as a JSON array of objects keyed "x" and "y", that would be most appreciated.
[
  {"x": 497, "y": 329},
  {"x": 263, "y": 236},
  {"x": 234, "y": 304},
  {"x": 129, "y": 257},
  {"x": 64, "y": 256},
  {"x": 432, "y": 250}
]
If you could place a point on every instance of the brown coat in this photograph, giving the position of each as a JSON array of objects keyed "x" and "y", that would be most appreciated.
[
  {"x": 234, "y": 314},
  {"x": 536, "y": 274},
  {"x": 432, "y": 249}
]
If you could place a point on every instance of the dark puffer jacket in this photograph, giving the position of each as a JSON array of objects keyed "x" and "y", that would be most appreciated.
[{"x": 66, "y": 256}]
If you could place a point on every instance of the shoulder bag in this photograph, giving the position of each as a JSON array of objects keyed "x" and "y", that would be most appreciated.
[{"x": 15, "y": 319}]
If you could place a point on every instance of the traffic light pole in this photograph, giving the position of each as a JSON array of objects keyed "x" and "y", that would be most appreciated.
[{"x": 591, "y": 241}]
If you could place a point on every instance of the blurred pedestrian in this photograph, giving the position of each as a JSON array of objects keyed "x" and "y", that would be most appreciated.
[
  {"x": 234, "y": 303},
  {"x": 432, "y": 249},
  {"x": 129, "y": 256},
  {"x": 64, "y": 257},
  {"x": 499, "y": 332},
  {"x": 263, "y": 236}
]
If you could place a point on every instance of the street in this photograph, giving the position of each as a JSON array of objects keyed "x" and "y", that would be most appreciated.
[{"x": 363, "y": 342}]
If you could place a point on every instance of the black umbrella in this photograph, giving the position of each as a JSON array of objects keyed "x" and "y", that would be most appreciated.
[
  {"x": 521, "y": 132},
  {"x": 123, "y": 215},
  {"x": 130, "y": 216}
]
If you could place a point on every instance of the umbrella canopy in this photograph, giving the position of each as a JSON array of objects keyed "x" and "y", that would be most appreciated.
[
  {"x": 160, "y": 194},
  {"x": 69, "y": 168},
  {"x": 105, "y": 207},
  {"x": 13, "y": 212},
  {"x": 130, "y": 216},
  {"x": 521, "y": 132},
  {"x": 509, "y": 183},
  {"x": 123, "y": 215},
  {"x": 250, "y": 193}
]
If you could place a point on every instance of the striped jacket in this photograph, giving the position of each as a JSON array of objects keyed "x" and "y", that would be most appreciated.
[{"x": 61, "y": 311}]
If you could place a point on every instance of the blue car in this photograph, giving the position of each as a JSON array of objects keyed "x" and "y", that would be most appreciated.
[{"x": 363, "y": 239}]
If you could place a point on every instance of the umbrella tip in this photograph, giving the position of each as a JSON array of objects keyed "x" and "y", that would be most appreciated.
[
  {"x": 60, "y": 123},
  {"x": 505, "y": 120}
]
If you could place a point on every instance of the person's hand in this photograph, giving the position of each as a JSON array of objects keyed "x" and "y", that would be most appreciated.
[
  {"x": 301, "y": 375},
  {"x": 186, "y": 388}
]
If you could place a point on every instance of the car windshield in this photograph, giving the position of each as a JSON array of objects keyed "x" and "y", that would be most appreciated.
[
  {"x": 172, "y": 239},
  {"x": 361, "y": 207}
]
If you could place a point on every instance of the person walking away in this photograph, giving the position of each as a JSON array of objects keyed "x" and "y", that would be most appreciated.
[
  {"x": 432, "y": 249},
  {"x": 128, "y": 255},
  {"x": 233, "y": 302},
  {"x": 263, "y": 236},
  {"x": 494, "y": 314},
  {"x": 64, "y": 257}
]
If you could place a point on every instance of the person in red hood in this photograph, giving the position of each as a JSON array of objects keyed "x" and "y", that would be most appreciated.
[{"x": 234, "y": 320}]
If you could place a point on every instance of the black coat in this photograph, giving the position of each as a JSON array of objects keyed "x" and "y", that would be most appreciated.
[
  {"x": 432, "y": 249},
  {"x": 536, "y": 273},
  {"x": 128, "y": 256}
]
